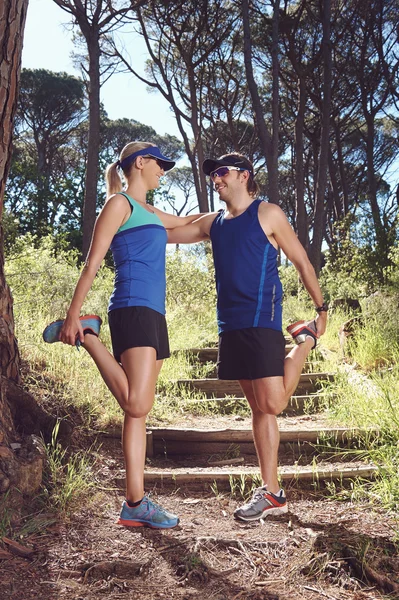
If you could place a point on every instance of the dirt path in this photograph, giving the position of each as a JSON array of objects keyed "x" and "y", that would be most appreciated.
[{"x": 321, "y": 550}]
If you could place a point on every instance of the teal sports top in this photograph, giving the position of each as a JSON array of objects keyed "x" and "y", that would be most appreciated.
[{"x": 138, "y": 249}]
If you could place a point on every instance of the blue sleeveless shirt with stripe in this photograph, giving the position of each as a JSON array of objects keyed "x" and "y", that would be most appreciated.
[
  {"x": 138, "y": 249},
  {"x": 248, "y": 286}
]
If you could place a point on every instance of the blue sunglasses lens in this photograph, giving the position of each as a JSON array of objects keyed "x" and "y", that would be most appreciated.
[{"x": 221, "y": 172}]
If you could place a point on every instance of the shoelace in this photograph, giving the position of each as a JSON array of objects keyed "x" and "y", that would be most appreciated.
[
  {"x": 154, "y": 504},
  {"x": 258, "y": 495}
]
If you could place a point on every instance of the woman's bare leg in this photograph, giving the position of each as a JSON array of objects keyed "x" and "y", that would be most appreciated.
[
  {"x": 133, "y": 386},
  {"x": 111, "y": 371},
  {"x": 142, "y": 370}
]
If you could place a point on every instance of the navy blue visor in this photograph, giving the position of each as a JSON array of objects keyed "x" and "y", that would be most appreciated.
[
  {"x": 150, "y": 152},
  {"x": 229, "y": 160}
]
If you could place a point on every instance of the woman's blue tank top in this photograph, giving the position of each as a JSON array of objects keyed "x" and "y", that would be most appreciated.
[
  {"x": 248, "y": 287},
  {"x": 139, "y": 248}
]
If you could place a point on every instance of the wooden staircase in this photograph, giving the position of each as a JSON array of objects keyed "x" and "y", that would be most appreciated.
[{"x": 219, "y": 449}]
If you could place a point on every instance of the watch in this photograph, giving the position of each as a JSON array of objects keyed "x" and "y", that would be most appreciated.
[{"x": 322, "y": 308}]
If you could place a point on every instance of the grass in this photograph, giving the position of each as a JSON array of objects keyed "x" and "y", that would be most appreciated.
[
  {"x": 5, "y": 515},
  {"x": 68, "y": 478},
  {"x": 243, "y": 486},
  {"x": 66, "y": 381}
]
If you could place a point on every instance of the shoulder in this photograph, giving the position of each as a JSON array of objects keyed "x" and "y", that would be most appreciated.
[
  {"x": 270, "y": 209},
  {"x": 118, "y": 199},
  {"x": 207, "y": 220},
  {"x": 158, "y": 211},
  {"x": 117, "y": 204},
  {"x": 272, "y": 212}
]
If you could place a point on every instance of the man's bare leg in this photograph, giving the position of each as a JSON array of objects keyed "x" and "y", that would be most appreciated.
[
  {"x": 268, "y": 397},
  {"x": 266, "y": 439},
  {"x": 273, "y": 393}
]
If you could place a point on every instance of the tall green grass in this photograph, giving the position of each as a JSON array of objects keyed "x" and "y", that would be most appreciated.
[
  {"x": 68, "y": 479},
  {"x": 365, "y": 394},
  {"x": 68, "y": 384},
  {"x": 66, "y": 381}
]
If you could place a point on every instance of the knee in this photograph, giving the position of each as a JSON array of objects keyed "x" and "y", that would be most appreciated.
[
  {"x": 135, "y": 412},
  {"x": 271, "y": 408},
  {"x": 137, "y": 409}
]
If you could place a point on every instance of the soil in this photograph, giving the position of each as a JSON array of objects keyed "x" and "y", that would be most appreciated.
[{"x": 322, "y": 549}]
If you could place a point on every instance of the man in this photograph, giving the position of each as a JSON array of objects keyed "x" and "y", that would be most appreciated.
[{"x": 245, "y": 240}]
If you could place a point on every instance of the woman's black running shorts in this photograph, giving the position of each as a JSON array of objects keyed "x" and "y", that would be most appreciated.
[{"x": 138, "y": 326}]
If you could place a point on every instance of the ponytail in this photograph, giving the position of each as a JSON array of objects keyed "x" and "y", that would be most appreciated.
[{"x": 113, "y": 180}]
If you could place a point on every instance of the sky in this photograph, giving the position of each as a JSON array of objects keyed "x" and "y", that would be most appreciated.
[{"x": 48, "y": 45}]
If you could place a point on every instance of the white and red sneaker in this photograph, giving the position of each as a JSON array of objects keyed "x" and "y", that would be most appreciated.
[
  {"x": 303, "y": 329},
  {"x": 262, "y": 504}
]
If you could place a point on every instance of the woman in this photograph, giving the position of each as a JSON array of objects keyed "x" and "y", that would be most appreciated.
[{"x": 136, "y": 234}]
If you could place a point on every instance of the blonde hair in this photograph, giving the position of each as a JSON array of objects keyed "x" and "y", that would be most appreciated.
[{"x": 113, "y": 180}]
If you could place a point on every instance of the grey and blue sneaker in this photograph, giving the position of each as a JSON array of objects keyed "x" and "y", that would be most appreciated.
[
  {"x": 262, "y": 504},
  {"x": 90, "y": 324},
  {"x": 147, "y": 514}
]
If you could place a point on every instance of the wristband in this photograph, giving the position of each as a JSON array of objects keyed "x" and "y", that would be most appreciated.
[{"x": 322, "y": 308}]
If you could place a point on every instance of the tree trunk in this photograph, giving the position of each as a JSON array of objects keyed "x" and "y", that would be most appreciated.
[
  {"x": 93, "y": 147},
  {"x": 9, "y": 354},
  {"x": 342, "y": 172},
  {"x": 301, "y": 216},
  {"x": 335, "y": 207},
  {"x": 264, "y": 134},
  {"x": 196, "y": 124},
  {"x": 12, "y": 23},
  {"x": 20, "y": 473},
  {"x": 380, "y": 233},
  {"x": 320, "y": 211},
  {"x": 273, "y": 176}
]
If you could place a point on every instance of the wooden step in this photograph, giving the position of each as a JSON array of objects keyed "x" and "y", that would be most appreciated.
[
  {"x": 186, "y": 441},
  {"x": 321, "y": 473},
  {"x": 197, "y": 371},
  {"x": 312, "y": 434},
  {"x": 218, "y": 388},
  {"x": 296, "y": 405},
  {"x": 204, "y": 355}
]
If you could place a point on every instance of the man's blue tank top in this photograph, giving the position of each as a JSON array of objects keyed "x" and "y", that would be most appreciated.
[
  {"x": 138, "y": 248},
  {"x": 248, "y": 287}
]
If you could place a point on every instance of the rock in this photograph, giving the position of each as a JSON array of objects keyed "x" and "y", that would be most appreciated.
[
  {"x": 22, "y": 468},
  {"x": 345, "y": 303},
  {"x": 30, "y": 476}
]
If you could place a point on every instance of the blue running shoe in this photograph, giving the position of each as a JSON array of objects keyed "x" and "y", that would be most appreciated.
[
  {"x": 147, "y": 514},
  {"x": 90, "y": 323}
]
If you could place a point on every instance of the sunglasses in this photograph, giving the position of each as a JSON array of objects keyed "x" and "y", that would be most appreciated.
[
  {"x": 222, "y": 171},
  {"x": 159, "y": 162}
]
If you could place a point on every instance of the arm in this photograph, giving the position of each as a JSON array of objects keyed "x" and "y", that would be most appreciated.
[
  {"x": 197, "y": 231},
  {"x": 276, "y": 225},
  {"x": 171, "y": 221},
  {"x": 109, "y": 220}
]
